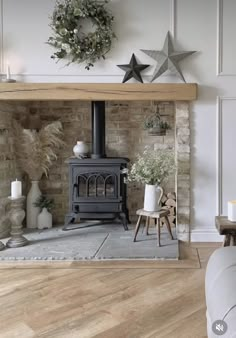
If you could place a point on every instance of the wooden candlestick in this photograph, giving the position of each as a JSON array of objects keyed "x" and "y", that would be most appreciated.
[
  {"x": 17, "y": 215},
  {"x": 2, "y": 246}
]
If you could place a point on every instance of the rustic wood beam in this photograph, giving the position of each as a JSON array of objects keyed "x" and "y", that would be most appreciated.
[{"x": 98, "y": 91}]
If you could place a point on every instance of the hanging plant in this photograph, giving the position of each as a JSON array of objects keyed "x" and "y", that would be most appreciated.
[
  {"x": 69, "y": 21},
  {"x": 154, "y": 124}
]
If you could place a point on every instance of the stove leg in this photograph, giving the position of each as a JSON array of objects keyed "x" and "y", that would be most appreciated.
[
  {"x": 69, "y": 219},
  {"x": 127, "y": 216},
  {"x": 123, "y": 219}
]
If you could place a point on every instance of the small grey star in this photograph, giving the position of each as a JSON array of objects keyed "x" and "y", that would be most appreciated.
[
  {"x": 167, "y": 59},
  {"x": 133, "y": 69}
]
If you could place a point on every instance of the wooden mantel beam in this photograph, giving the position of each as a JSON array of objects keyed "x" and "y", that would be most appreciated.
[{"x": 98, "y": 91}]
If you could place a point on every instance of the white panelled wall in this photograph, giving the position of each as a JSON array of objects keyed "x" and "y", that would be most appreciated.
[{"x": 207, "y": 26}]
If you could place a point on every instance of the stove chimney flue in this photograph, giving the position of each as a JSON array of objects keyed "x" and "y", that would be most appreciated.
[{"x": 98, "y": 129}]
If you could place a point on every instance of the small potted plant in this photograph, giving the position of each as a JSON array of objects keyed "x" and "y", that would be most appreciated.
[
  {"x": 45, "y": 204},
  {"x": 154, "y": 124},
  {"x": 151, "y": 168}
]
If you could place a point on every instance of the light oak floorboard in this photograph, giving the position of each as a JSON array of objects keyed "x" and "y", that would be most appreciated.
[{"x": 78, "y": 302}]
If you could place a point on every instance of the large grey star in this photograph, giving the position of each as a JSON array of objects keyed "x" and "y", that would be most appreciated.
[{"x": 167, "y": 59}]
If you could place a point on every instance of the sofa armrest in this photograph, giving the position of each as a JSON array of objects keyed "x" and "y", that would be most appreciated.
[{"x": 220, "y": 288}]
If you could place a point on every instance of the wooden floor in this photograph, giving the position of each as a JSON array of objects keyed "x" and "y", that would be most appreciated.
[{"x": 74, "y": 301}]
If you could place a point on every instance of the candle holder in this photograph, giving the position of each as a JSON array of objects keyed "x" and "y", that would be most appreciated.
[
  {"x": 2, "y": 246},
  {"x": 17, "y": 215},
  {"x": 6, "y": 80}
]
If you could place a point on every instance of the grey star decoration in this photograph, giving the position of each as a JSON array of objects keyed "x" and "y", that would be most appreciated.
[
  {"x": 167, "y": 59},
  {"x": 133, "y": 70}
]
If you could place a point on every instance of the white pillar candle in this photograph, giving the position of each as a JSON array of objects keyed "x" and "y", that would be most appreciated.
[
  {"x": 16, "y": 189},
  {"x": 8, "y": 72},
  {"x": 232, "y": 211}
]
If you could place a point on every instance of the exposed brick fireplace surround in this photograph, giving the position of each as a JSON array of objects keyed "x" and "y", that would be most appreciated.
[{"x": 126, "y": 107}]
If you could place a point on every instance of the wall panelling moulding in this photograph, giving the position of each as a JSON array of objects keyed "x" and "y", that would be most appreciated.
[
  {"x": 220, "y": 39},
  {"x": 220, "y": 151}
]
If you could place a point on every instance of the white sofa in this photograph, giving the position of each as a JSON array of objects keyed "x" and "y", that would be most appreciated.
[{"x": 220, "y": 288}]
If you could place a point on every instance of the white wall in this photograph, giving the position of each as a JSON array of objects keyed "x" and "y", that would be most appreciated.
[{"x": 207, "y": 26}]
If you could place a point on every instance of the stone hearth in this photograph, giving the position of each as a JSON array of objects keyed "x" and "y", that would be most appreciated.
[
  {"x": 125, "y": 137},
  {"x": 92, "y": 242}
]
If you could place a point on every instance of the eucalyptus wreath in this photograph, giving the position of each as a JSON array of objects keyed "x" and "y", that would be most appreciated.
[{"x": 68, "y": 37}]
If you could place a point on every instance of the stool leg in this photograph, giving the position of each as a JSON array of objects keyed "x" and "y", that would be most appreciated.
[
  {"x": 144, "y": 225},
  {"x": 158, "y": 232},
  {"x": 234, "y": 240},
  {"x": 147, "y": 225},
  {"x": 168, "y": 226},
  {"x": 227, "y": 240},
  {"x": 137, "y": 227}
]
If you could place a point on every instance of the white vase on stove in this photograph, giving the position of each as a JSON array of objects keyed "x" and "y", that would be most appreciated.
[{"x": 81, "y": 149}]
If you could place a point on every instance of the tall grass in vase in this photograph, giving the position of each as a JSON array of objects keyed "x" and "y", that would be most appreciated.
[{"x": 36, "y": 152}]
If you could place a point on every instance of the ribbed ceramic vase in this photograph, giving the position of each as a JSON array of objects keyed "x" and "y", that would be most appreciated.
[
  {"x": 32, "y": 211},
  {"x": 44, "y": 219},
  {"x": 152, "y": 198}
]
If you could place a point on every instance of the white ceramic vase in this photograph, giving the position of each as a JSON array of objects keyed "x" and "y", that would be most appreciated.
[
  {"x": 32, "y": 211},
  {"x": 44, "y": 219},
  {"x": 80, "y": 149},
  {"x": 152, "y": 198}
]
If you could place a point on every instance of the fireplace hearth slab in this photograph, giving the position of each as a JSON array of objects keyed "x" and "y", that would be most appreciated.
[
  {"x": 120, "y": 245},
  {"x": 93, "y": 241}
]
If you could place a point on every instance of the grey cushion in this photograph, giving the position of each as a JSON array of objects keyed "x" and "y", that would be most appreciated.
[{"x": 220, "y": 287}]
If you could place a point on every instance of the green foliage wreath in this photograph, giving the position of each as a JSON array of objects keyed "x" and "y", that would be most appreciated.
[{"x": 68, "y": 37}]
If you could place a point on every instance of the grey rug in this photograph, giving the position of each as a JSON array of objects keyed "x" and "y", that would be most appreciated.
[{"x": 93, "y": 241}]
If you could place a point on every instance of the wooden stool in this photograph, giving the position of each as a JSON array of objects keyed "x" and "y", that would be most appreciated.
[
  {"x": 157, "y": 216},
  {"x": 227, "y": 228}
]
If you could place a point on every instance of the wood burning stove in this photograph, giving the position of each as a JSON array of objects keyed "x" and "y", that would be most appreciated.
[{"x": 97, "y": 187}]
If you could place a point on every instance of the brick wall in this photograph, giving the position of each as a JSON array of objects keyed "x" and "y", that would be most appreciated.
[
  {"x": 124, "y": 133},
  {"x": 8, "y": 166}
]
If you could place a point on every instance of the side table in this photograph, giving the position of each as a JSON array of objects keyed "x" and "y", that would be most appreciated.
[
  {"x": 226, "y": 228},
  {"x": 157, "y": 216}
]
